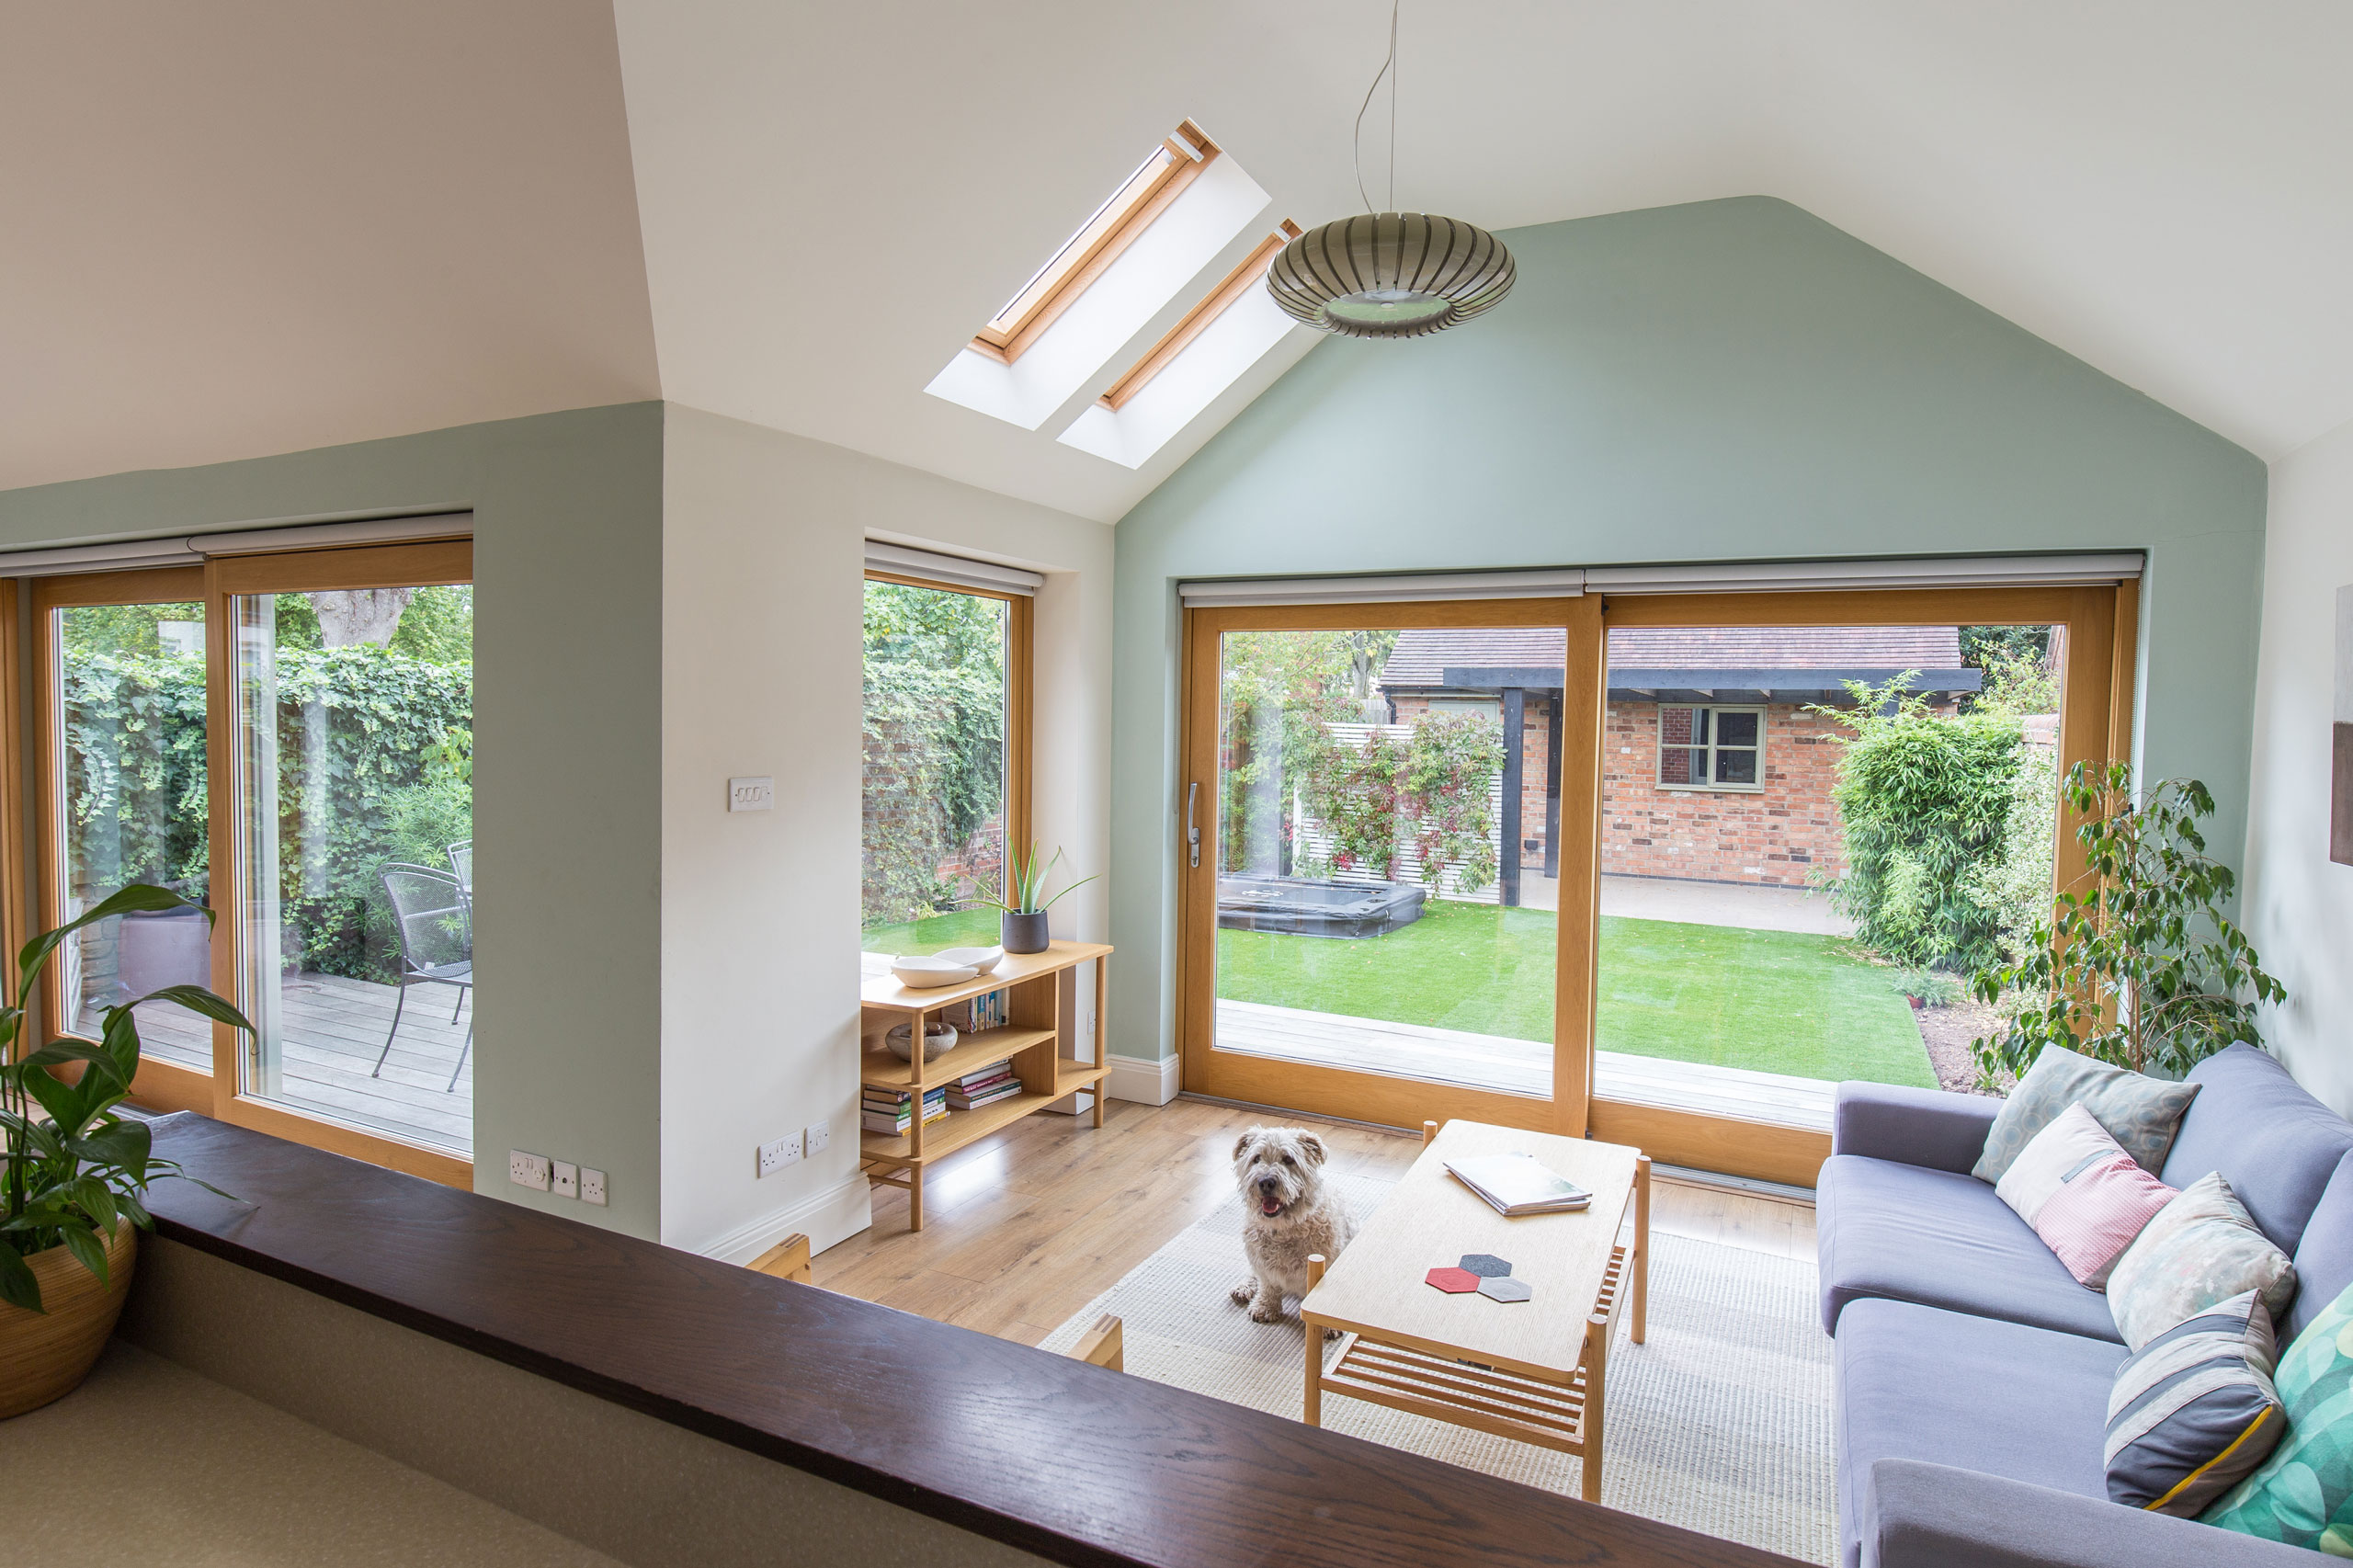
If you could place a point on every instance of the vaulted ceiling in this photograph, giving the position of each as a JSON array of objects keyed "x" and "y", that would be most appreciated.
[{"x": 255, "y": 227}]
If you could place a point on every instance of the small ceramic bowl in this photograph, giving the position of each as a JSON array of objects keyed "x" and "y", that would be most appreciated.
[
  {"x": 937, "y": 1038},
  {"x": 922, "y": 974},
  {"x": 982, "y": 960}
]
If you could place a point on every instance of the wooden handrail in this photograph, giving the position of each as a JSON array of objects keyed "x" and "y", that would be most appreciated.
[{"x": 1140, "y": 1473}]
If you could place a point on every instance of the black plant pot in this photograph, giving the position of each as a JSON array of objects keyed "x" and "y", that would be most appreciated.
[{"x": 1024, "y": 933}]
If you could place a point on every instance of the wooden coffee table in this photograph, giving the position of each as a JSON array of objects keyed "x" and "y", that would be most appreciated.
[{"x": 1527, "y": 1370}]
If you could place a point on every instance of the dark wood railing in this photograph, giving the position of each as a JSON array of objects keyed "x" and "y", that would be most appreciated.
[{"x": 1111, "y": 1468}]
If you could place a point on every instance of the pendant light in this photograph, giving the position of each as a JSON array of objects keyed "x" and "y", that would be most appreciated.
[{"x": 1389, "y": 274}]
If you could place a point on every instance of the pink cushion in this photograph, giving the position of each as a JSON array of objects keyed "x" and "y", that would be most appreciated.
[{"x": 2096, "y": 1212}]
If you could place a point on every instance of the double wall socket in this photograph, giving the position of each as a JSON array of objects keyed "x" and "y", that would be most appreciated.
[
  {"x": 561, "y": 1178},
  {"x": 775, "y": 1157}
]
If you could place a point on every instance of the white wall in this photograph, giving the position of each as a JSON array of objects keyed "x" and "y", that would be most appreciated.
[
  {"x": 762, "y": 548},
  {"x": 2298, "y": 904}
]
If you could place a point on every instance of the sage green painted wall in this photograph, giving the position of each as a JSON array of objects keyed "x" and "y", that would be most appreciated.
[
  {"x": 1728, "y": 381},
  {"x": 568, "y": 734}
]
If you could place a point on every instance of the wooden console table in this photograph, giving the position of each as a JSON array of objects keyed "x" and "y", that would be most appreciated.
[{"x": 1030, "y": 1039}]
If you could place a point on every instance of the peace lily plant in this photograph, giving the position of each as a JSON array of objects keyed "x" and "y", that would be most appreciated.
[{"x": 75, "y": 1170}]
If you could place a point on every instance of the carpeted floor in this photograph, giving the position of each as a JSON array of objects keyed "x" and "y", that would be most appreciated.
[{"x": 1721, "y": 1424}]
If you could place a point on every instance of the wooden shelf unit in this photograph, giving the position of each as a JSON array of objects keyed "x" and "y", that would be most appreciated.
[{"x": 1031, "y": 1039}]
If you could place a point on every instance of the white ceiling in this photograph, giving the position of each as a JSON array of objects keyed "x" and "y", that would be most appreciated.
[{"x": 269, "y": 230}]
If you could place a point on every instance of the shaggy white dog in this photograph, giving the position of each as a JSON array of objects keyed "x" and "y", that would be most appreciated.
[{"x": 1288, "y": 1213}]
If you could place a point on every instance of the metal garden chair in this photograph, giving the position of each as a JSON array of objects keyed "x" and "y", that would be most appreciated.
[{"x": 434, "y": 923}]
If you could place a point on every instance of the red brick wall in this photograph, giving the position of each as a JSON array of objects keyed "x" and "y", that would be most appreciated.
[{"x": 1777, "y": 834}]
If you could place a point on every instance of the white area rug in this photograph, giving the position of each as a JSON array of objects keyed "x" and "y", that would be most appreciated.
[{"x": 1721, "y": 1424}]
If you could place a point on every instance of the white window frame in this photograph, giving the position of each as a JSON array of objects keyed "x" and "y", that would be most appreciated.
[{"x": 1707, "y": 752}]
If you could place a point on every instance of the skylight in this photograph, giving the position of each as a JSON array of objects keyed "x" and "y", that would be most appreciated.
[
  {"x": 1145, "y": 194},
  {"x": 1198, "y": 320}
]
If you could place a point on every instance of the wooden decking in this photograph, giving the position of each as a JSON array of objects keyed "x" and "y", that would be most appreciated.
[
  {"x": 1516, "y": 1066},
  {"x": 333, "y": 1028}
]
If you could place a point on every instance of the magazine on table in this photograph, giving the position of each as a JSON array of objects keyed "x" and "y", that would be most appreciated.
[{"x": 1519, "y": 1183}]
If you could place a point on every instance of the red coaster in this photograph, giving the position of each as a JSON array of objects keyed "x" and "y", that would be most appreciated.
[{"x": 1453, "y": 1281}]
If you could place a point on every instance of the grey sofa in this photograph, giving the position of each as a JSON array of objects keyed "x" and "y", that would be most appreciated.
[{"x": 1973, "y": 1371}]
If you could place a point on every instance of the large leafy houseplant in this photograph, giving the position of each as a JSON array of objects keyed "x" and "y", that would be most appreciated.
[
  {"x": 2143, "y": 969},
  {"x": 74, "y": 1168}
]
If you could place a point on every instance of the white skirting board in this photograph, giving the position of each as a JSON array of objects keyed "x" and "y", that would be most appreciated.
[
  {"x": 1146, "y": 1079},
  {"x": 834, "y": 1215}
]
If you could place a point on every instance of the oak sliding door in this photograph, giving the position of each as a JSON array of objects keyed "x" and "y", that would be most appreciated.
[
  {"x": 1388, "y": 884},
  {"x": 285, "y": 740}
]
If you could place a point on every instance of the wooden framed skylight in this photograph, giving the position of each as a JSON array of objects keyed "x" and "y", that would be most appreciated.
[
  {"x": 1238, "y": 282},
  {"x": 1159, "y": 180}
]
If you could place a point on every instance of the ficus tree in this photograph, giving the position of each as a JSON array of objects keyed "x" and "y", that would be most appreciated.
[{"x": 2142, "y": 966}]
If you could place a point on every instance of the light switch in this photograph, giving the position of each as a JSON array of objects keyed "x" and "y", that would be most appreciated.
[{"x": 751, "y": 794}]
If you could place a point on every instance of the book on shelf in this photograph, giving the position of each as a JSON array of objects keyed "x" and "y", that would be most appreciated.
[
  {"x": 1002, "y": 1087},
  {"x": 891, "y": 1110},
  {"x": 984, "y": 1012},
  {"x": 1518, "y": 1184}
]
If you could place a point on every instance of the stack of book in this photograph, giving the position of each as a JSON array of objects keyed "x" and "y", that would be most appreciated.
[
  {"x": 1519, "y": 1183},
  {"x": 986, "y": 1087},
  {"x": 891, "y": 1110}
]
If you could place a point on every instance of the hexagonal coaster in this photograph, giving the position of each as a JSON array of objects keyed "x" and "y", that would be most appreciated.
[
  {"x": 1453, "y": 1281},
  {"x": 1505, "y": 1289},
  {"x": 1487, "y": 1265}
]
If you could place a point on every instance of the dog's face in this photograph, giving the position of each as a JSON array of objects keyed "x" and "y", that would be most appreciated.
[{"x": 1279, "y": 1170}]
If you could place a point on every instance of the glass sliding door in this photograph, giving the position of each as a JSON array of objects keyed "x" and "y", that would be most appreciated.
[
  {"x": 126, "y": 798},
  {"x": 350, "y": 748},
  {"x": 1375, "y": 917},
  {"x": 1820, "y": 815}
]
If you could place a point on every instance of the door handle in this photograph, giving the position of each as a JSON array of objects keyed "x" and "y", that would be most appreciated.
[{"x": 1192, "y": 833}]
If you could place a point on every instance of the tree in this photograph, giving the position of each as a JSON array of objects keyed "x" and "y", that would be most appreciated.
[{"x": 349, "y": 616}]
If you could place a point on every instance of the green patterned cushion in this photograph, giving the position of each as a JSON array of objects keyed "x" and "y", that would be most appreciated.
[
  {"x": 2199, "y": 1249},
  {"x": 2303, "y": 1493},
  {"x": 2142, "y": 1114}
]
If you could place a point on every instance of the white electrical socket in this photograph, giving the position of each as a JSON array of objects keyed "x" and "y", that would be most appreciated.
[
  {"x": 592, "y": 1188},
  {"x": 527, "y": 1170},
  {"x": 775, "y": 1157},
  {"x": 567, "y": 1179},
  {"x": 820, "y": 1134}
]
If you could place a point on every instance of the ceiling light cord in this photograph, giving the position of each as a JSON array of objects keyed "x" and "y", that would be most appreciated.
[{"x": 1388, "y": 69}]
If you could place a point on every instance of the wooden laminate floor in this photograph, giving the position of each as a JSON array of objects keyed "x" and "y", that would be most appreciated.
[{"x": 1025, "y": 1227}]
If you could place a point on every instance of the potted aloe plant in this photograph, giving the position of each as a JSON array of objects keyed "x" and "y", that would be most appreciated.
[
  {"x": 1021, "y": 926},
  {"x": 73, "y": 1173}
]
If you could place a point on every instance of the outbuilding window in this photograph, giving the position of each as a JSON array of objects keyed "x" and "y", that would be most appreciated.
[{"x": 1711, "y": 748}]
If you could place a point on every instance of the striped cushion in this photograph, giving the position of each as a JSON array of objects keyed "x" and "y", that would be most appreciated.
[
  {"x": 2096, "y": 1212},
  {"x": 2193, "y": 1412}
]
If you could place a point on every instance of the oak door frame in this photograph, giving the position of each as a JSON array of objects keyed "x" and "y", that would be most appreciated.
[
  {"x": 2096, "y": 723},
  {"x": 1365, "y": 1097},
  {"x": 225, "y": 578}
]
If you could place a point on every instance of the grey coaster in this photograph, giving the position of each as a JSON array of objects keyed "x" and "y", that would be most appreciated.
[
  {"x": 1487, "y": 1265},
  {"x": 1505, "y": 1289}
]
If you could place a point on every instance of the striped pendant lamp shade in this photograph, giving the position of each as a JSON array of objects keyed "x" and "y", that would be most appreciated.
[{"x": 1389, "y": 274}]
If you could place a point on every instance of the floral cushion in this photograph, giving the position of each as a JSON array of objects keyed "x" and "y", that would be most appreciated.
[
  {"x": 2304, "y": 1493},
  {"x": 2200, "y": 1249},
  {"x": 2141, "y": 1114}
]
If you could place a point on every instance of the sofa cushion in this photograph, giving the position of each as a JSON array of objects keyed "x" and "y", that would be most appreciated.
[
  {"x": 2141, "y": 1113},
  {"x": 1942, "y": 1239},
  {"x": 1944, "y": 1387},
  {"x": 2303, "y": 1493},
  {"x": 2193, "y": 1412},
  {"x": 2200, "y": 1249},
  {"x": 2270, "y": 1140},
  {"x": 2325, "y": 1257},
  {"x": 2083, "y": 1194}
]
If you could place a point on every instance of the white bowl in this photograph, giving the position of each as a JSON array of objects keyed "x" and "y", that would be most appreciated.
[
  {"x": 982, "y": 959},
  {"x": 923, "y": 975},
  {"x": 937, "y": 1040}
]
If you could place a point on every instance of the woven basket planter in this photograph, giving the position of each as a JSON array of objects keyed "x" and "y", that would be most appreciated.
[{"x": 45, "y": 1355}]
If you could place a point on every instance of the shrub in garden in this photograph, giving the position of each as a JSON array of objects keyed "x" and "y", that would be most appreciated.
[
  {"x": 1352, "y": 790},
  {"x": 1450, "y": 768},
  {"x": 1924, "y": 801},
  {"x": 934, "y": 747}
]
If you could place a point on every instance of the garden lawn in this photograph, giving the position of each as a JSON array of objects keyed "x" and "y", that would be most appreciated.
[
  {"x": 915, "y": 939},
  {"x": 1771, "y": 1001}
]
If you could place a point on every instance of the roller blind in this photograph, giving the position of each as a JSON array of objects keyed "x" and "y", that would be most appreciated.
[
  {"x": 1944, "y": 571},
  {"x": 190, "y": 550},
  {"x": 905, "y": 560}
]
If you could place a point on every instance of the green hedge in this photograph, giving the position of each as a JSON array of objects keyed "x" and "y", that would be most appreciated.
[{"x": 374, "y": 764}]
